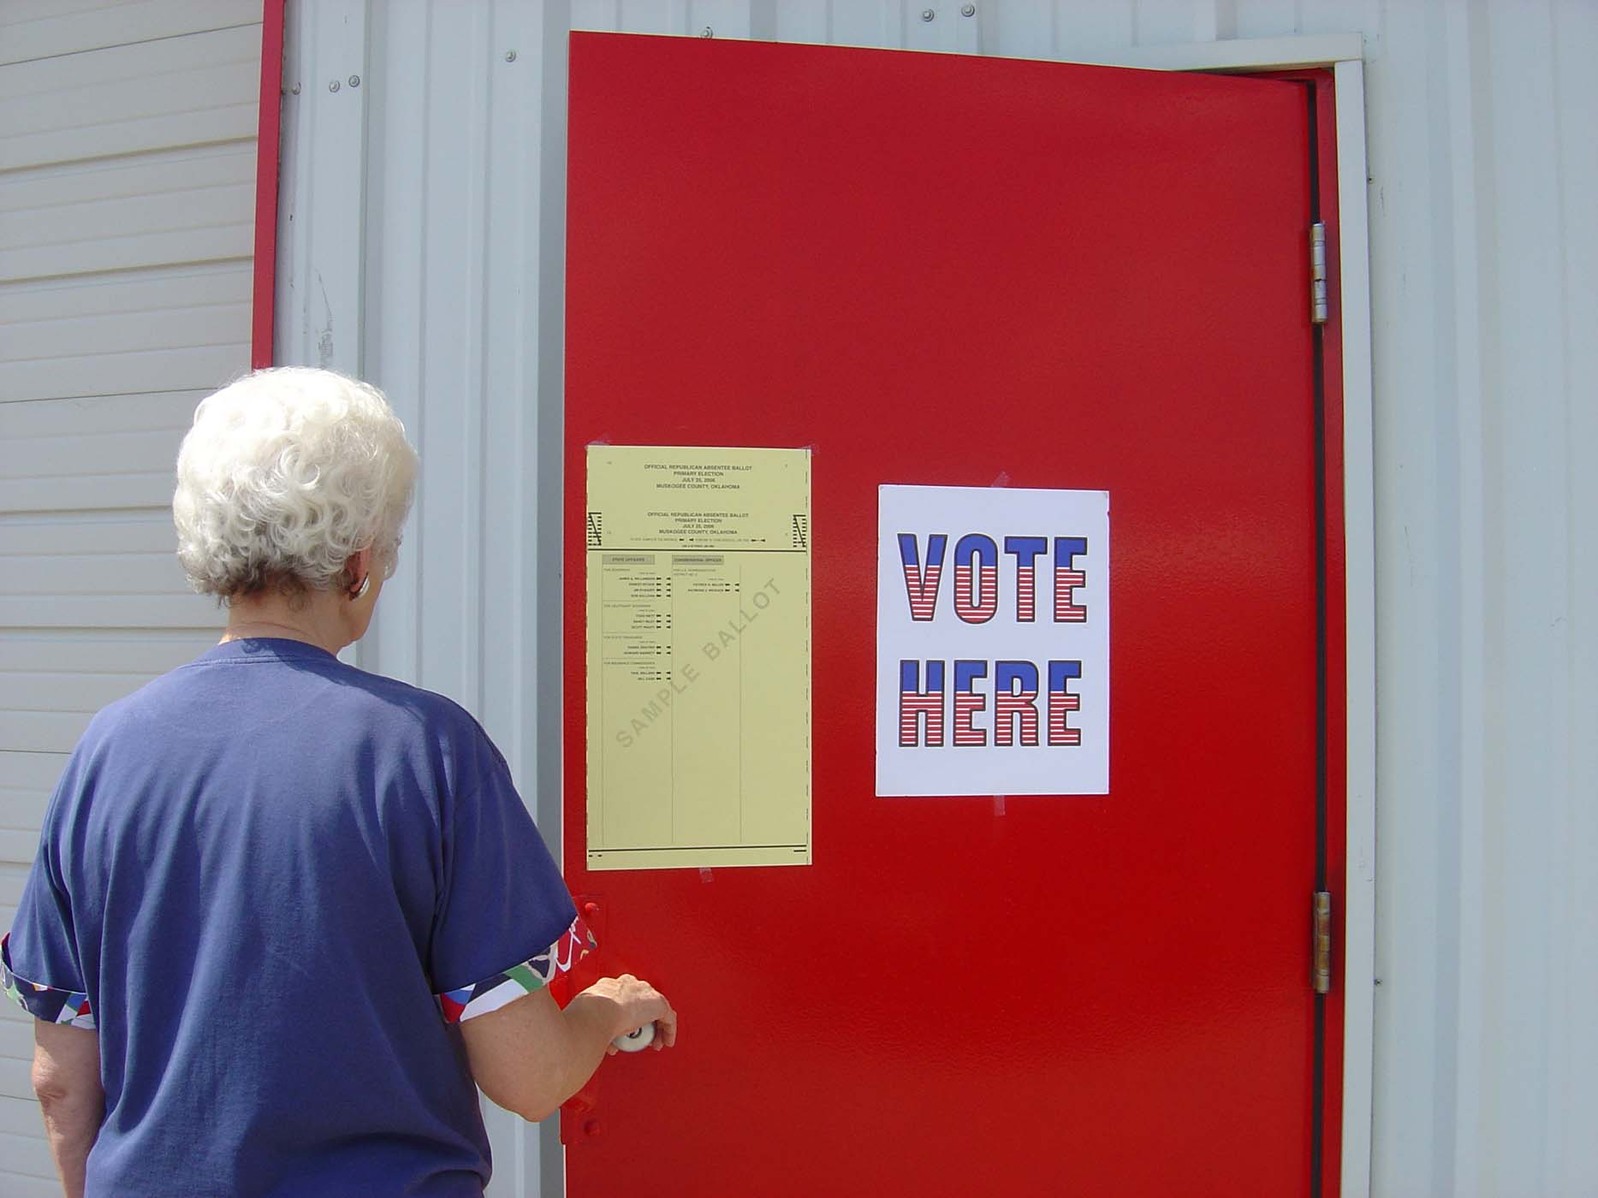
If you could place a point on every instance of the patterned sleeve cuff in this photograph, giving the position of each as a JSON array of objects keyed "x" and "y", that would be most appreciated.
[
  {"x": 41, "y": 1001},
  {"x": 492, "y": 993}
]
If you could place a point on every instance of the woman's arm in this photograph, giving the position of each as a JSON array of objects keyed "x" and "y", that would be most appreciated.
[
  {"x": 66, "y": 1077},
  {"x": 530, "y": 1056}
]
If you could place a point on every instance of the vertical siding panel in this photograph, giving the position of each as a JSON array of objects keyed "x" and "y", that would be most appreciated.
[
  {"x": 321, "y": 296},
  {"x": 941, "y": 33},
  {"x": 1163, "y": 22},
  {"x": 509, "y": 342},
  {"x": 1086, "y": 29},
  {"x": 1213, "y": 20},
  {"x": 395, "y": 287},
  {"x": 1468, "y": 519},
  {"x": 1573, "y": 1164},
  {"x": 1412, "y": 271},
  {"x": 512, "y": 346},
  {"x": 724, "y": 18},
  {"x": 803, "y": 21},
  {"x": 654, "y": 16},
  {"x": 449, "y": 492},
  {"x": 1469, "y": 1136},
  {"x": 867, "y": 22},
  {"x": 596, "y": 16},
  {"x": 1529, "y": 733},
  {"x": 1023, "y": 29},
  {"x": 1268, "y": 18},
  {"x": 1338, "y": 16}
]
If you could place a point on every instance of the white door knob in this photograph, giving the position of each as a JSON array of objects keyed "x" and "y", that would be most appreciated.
[{"x": 636, "y": 1040}]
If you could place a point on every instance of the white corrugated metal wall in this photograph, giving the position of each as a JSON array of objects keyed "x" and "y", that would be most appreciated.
[
  {"x": 127, "y": 200},
  {"x": 422, "y": 247}
]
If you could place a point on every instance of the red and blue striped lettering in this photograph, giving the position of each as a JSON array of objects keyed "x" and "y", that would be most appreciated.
[
  {"x": 921, "y": 582},
  {"x": 1015, "y": 700},
  {"x": 916, "y": 705},
  {"x": 1067, "y": 578},
  {"x": 967, "y": 702},
  {"x": 976, "y": 579},
  {"x": 1063, "y": 702},
  {"x": 1026, "y": 551}
]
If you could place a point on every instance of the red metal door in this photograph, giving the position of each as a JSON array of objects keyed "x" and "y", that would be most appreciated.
[{"x": 955, "y": 271}]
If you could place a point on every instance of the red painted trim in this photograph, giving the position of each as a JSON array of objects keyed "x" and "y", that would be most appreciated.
[{"x": 266, "y": 176}]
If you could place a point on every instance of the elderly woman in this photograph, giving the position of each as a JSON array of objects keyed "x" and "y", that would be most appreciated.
[{"x": 285, "y": 913}]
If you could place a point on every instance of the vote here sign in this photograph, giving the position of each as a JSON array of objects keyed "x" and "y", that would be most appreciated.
[{"x": 993, "y": 641}]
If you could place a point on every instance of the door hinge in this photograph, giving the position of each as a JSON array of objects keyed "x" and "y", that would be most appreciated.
[
  {"x": 1321, "y": 969},
  {"x": 1317, "y": 273}
]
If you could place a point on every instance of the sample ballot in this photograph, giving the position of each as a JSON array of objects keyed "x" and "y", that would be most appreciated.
[{"x": 698, "y": 657}]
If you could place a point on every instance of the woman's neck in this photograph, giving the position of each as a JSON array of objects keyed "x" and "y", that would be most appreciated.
[{"x": 313, "y": 618}]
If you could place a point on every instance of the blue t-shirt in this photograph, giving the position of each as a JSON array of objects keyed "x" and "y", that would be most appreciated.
[{"x": 274, "y": 883}]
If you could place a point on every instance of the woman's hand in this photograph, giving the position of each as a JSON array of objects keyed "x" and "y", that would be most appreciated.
[
  {"x": 530, "y": 1056},
  {"x": 637, "y": 1003}
]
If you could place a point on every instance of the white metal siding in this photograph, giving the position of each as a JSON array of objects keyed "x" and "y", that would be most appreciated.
[
  {"x": 422, "y": 247},
  {"x": 127, "y": 177}
]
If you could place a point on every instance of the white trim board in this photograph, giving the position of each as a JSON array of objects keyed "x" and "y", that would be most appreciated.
[
  {"x": 1242, "y": 54},
  {"x": 1359, "y": 540}
]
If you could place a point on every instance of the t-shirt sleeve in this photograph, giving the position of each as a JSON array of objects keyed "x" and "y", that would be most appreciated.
[
  {"x": 505, "y": 924},
  {"x": 39, "y": 964}
]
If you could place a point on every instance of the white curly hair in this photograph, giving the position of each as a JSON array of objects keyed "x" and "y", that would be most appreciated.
[{"x": 285, "y": 475}]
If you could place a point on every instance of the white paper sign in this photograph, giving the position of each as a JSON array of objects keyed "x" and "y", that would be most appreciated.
[{"x": 993, "y": 641}]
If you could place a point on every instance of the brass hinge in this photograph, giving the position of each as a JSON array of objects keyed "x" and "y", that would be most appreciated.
[
  {"x": 1317, "y": 273},
  {"x": 1321, "y": 969}
]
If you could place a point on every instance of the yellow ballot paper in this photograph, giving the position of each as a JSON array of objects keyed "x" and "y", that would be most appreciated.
[{"x": 698, "y": 657}]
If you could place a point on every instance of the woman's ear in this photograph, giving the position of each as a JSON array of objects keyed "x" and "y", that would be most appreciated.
[{"x": 358, "y": 573}]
